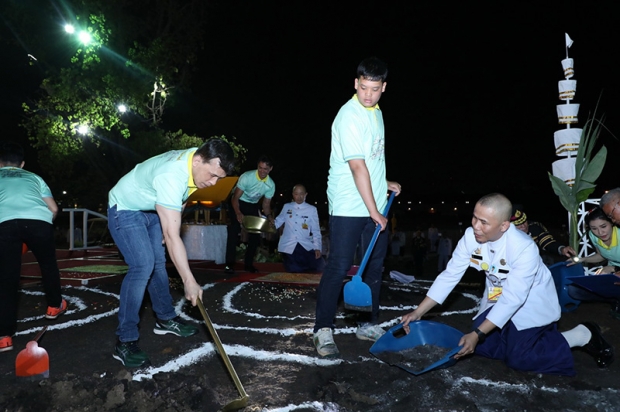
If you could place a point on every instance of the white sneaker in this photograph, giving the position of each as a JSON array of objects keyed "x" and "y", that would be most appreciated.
[
  {"x": 325, "y": 345},
  {"x": 369, "y": 331}
]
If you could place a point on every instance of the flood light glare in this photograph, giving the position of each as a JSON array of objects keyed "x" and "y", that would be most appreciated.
[
  {"x": 122, "y": 108},
  {"x": 69, "y": 28},
  {"x": 82, "y": 129},
  {"x": 85, "y": 37}
]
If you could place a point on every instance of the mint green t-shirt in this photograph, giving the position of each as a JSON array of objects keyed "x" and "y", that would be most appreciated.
[
  {"x": 254, "y": 188},
  {"x": 357, "y": 133},
  {"x": 611, "y": 252},
  {"x": 161, "y": 180},
  {"x": 21, "y": 195}
]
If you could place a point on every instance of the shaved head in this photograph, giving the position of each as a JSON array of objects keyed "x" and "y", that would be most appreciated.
[
  {"x": 299, "y": 187},
  {"x": 499, "y": 203},
  {"x": 299, "y": 193}
]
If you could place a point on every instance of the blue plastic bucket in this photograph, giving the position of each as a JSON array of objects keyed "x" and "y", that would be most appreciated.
[{"x": 422, "y": 332}]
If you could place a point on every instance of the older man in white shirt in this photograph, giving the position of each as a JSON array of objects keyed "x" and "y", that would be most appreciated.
[
  {"x": 517, "y": 320},
  {"x": 300, "y": 243}
]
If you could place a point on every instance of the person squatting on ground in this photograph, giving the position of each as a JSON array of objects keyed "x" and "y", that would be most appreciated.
[
  {"x": 27, "y": 210},
  {"x": 251, "y": 187},
  {"x": 144, "y": 218},
  {"x": 300, "y": 243},
  {"x": 356, "y": 192},
  {"x": 517, "y": 320},
  {"x": 604, "y": 237},
  {"x": 539, "y": 233}
]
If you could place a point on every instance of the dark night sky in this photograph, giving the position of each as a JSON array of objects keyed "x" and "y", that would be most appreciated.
[{"x": 470, "y": 101}]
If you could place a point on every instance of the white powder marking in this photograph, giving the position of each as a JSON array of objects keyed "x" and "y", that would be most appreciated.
[
  {"x": 498, "y": 385},
  {"x": 317, "y": 406},
  {"x": 208, "y": 349},
  {"x": 75, "y": 302}
]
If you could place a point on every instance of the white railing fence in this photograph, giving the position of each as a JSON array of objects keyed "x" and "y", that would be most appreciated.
[
  {"x": 85, "y": 227},
  {"x": 585, "y": 248}
]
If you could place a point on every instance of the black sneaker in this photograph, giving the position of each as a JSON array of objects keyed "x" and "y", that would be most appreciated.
[
  {"x": 175, "y": 326},
  {"x": 251, "y": 269},
  {"x": 229, "y": 270},
  {"x": 598, "y": 346},
  {"x": 130, "y": 354}
]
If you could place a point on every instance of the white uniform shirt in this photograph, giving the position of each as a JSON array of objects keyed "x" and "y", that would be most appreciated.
[
  {"x": 301, "y": 225},
  {"x": 528, "y": 294}
]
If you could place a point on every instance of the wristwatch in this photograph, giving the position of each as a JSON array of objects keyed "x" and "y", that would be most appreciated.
[{"x": 481, "y": 335}]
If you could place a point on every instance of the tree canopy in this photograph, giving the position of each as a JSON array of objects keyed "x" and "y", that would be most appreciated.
[{"x": 100, "y": 110}]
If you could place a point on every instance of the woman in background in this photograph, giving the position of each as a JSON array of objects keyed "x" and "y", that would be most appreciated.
[{"x": 604, "y": 237}]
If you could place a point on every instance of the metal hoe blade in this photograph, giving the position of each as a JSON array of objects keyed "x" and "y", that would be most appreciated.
[{"x": 243, "y": 400}]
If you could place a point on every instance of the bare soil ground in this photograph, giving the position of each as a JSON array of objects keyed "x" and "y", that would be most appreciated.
[{"x": 266, "y": 330}]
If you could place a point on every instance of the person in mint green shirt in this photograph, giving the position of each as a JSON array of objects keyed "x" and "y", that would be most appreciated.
[
  {"x": 144, "y": 218},
  {"x": 27, "y": 210},
  {"x": 252, "y": 186},
  {"x": 357, "y": 191}
]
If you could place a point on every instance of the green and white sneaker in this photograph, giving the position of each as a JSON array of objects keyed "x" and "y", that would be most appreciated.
[
  {"x": 130, "y": 354},
  {"x": 324, "y": 343},
  {"x": 175, "y": 326}
]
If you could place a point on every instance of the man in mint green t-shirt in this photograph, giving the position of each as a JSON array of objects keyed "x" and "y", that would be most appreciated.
[
  {"x": 27, "y": 210},
  {"x": 357, "y": 194},
  {"x": 252, "y": 186},
  {"x": 144, "y": 218}
]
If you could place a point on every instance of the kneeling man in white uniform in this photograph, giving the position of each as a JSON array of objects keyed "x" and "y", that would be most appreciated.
[{"x": 517, "y": 320}]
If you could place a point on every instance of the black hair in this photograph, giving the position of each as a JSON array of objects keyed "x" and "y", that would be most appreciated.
[
  {"x": 265, "y": 159},
  {"x": 11, "y": 154},
  {"x": 596, "y": 213},
  {"x": 372, "y": 69},
  {"x": 219, "y": 148}
]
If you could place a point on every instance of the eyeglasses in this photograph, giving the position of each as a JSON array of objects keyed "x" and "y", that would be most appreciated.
[{"x": 610, "y": 215}]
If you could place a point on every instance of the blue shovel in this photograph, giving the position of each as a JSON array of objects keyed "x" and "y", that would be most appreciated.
[{"x": 357, "y": 295}]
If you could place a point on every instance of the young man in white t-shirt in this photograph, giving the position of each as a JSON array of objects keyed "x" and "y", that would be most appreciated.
[{"x": 357, "y": 194}]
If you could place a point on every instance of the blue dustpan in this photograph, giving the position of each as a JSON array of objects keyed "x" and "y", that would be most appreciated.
[
  {"x": 422, "y": 332},
  {"x": 607, "y": 286}
]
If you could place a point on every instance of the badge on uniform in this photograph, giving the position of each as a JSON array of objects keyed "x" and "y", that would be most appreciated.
[{"x": 494, "y": 293}]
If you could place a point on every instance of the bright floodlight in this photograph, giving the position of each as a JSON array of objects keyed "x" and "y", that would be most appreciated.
[
  {"x": 69, "y": 28},
  {"x": 84, "y": 37},
  {"x": 122, "y": 108},
  {"x": 82, "y": 129}
]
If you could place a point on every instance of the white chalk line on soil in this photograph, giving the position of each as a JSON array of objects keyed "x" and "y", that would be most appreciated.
[
  {"x": 228, "y": 306},
  {"x": 77, "y": 305},
  {"x": 208, "y": 349},
  {"x": 317, "y": 406}
]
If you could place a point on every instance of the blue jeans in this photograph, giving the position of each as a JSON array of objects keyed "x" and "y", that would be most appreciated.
[
  {"x": 138, "y": 237},
  {"x": 345, "y": 234}
]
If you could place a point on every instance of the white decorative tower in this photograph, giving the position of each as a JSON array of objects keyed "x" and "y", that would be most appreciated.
[{"x": 567, "y": 139}]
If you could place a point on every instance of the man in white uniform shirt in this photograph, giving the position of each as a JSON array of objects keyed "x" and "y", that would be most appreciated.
[
  {"x": 517, "y": 319},
  {"x": 300, "y": 243}
]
